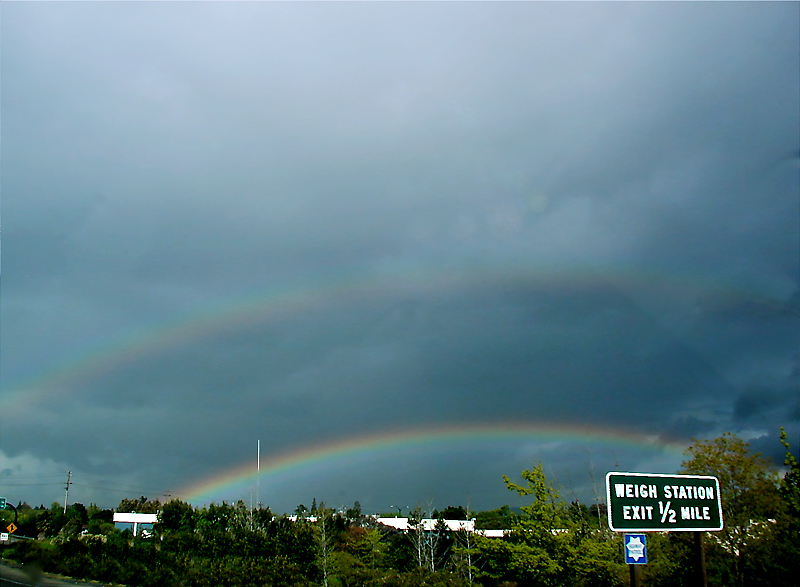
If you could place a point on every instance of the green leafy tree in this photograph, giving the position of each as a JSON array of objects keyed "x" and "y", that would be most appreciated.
[
  {"x": 52, "y": 521},
  {"x": 547, "y": 510},
  {"x": 452, "y": 513},
  {"x": 78, "y": 511},
  {"x": 669, "y": 560},
  {"x": 176, "y": 515},
  {"x": 530, "y": 554},
  {"x": 775, "y": 558},
  {"x": 143, "y": 505},
  {"x": 499, "y": 519},
  {"x": 372, "y": 550},
  {"x": 325, "y": 538},
  {"x": 550, "y": 544},
  {"x": 426, "y": 541},
  {"x": 750, "y": 499},
  {"x": 790, "y": 483},
  {"x": 464, "y": 555}
]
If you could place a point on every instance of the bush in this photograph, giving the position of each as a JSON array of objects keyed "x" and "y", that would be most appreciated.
[{"x": 80, "y": 566}]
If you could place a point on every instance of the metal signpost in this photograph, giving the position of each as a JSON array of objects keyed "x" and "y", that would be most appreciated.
[
  {"x": 4, "y": 535},
  {"x": 635, "y": 549},
  {"x": 650, "y": 502}
]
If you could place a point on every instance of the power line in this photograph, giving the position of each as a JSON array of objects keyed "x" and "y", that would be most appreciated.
[
  {"x": 120, "y": 489},
  {"x": 12, "y": 476},
  {"x": 28, "y": 484}
]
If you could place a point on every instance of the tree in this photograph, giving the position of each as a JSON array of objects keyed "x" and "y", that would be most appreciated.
[
  {"x": 77, "y": 511},
  {"x": 417, "y": 534},
  {"x": 750, "y": 499},
  {"x": 777, "y": 553},
  {"x": 141, "y": 505},
  {"x": 530, "y": 554},
  {"x": 499, "y": 519},
  {"x": 452, "y": 513},
  {"x": 325, "y": 539},
  {"x": 790, "y": 484},
  {"x": 426, "y": 540},
  {"x": 464, "y": 554},
  {"x": 550, "y": 544},
  {"x": 547, "y": 508},
  {"x": 354, "y": 513},
  {"x": 176, "y": 515}
]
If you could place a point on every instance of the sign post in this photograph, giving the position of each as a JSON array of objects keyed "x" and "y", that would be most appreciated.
[
  {"x": 650, "y": 502},
  {"x": 3, "y": 505},
  {"x": 635, "y": 547}
]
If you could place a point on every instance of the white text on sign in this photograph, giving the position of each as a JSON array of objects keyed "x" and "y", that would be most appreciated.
[
  {"x": 642, "y": 490},
  {"x": 637, "y": 512}
]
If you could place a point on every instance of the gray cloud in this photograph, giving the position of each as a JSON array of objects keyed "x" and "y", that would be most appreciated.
[{"x": 581, "y": 215}]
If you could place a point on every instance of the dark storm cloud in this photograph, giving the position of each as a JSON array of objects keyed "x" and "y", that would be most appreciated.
[{"x": 608, "y": 186}]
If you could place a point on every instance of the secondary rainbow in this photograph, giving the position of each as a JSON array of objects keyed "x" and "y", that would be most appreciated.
[{"x": 109, "y": 354}]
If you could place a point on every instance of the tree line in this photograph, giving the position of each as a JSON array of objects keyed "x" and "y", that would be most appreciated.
[{"x": 549, "y": 543}]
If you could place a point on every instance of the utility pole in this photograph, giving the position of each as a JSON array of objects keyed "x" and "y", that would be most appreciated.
[{"x": 66, "y": 494}]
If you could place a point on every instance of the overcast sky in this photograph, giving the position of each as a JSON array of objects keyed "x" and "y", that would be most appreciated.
[{"x": 307, "y": 223}]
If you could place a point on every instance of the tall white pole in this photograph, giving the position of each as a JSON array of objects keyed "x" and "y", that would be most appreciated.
[{"x": 258, "y": 476}]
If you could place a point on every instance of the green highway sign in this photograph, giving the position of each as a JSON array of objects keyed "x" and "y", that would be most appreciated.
[{"x": 649, "y": 502}]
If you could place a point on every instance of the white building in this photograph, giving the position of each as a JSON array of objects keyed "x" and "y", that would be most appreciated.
[{"x": 428, "y": 524}]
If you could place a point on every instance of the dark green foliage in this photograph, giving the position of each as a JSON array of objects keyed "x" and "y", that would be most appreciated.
[
  {"x": 27, "y": 527},
  {"x": 77, "y": 511},
  {"x": 400, "y": 555},
  {"x": 775, "y": 557},
  {"x": 26, "y": 520},
  {"x": 354, "y": 513},
  {"x": 669, "y": 560},
  {"x": 550, "y": 543},
  {"x": 78, "y": 565},
  {"x": 107, "y": 570},
  {"x": 423, "y": 578},
  {"x": 452, "y": 513},
  {"x": 177, "y": 515},
  {"x": 498, "y": 519},
  {"x": 751, "y": 501},
  {"x": 142, "y": 505},
  {"x": 31, "y": 552}
]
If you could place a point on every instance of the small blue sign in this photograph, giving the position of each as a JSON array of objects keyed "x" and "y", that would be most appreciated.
[{"x": 635, "y": 549}]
